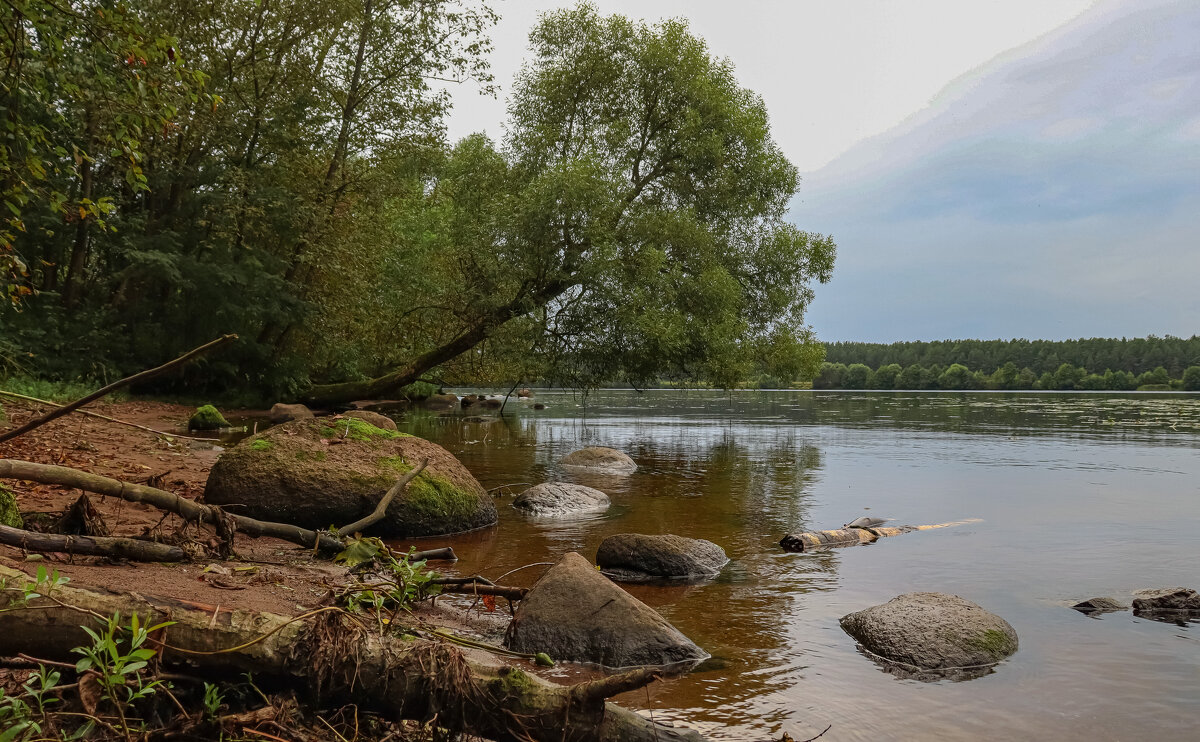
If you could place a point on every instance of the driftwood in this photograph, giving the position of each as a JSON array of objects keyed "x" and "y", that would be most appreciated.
[
  {"x": 121, "y": 383},
  {"x": 331, "y": 655},
  {"x": 854, "y": 536},
  {"x": 119, "y": 548},
  {"x": 106, "y": 418},
  {"x": 181, "y": 506}
]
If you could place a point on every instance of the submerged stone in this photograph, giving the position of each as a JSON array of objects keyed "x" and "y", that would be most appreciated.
[
  {"x": 600, "y": 458},
  {"x": 1099, "y": 605},
  {"x": 932, "y": 631},
  {"x": 634, "y": 557},
  {"x": 561, "y": 499},
  {"x": 1167, "y": 600}
]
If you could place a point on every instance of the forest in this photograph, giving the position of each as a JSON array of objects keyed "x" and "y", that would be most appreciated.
[
  {"x": 1125, "y": 364},
  {"x": 173, "y": 172}
]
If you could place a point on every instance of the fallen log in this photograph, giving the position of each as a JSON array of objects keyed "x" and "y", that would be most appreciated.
[
  {"x": 839, "y": 537},
  {"x": 181, "y": 506},
  {"x": 329, "y": 654},
  {"x": 118, "y": 548}
]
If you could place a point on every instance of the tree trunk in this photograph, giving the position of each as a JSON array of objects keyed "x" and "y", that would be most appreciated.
[
  {"x": 330, "y": 655},
  {"x": 118, "y": 548}
]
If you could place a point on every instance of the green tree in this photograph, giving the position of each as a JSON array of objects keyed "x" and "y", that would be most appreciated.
[
  {"x": 1191, "y": 379},
  {"x": 909, "y": 378},
  {"x": 885, "y": 376},
  {"x": 632, "y": 227},
  {"x": 957, "y": 376},
  {"x": 856, "y": 377},
  {"x": 830, "y": 376}
]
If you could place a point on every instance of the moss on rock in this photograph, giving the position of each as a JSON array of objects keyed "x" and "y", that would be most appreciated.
[
  {"x": 10, "y": 514},
  {"x": 299, "y": 473},
  {"x": 207, "y": 418}
]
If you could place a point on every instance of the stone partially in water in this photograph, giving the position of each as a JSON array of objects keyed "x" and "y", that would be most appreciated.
[
  {"x": 634, "y": 557},
  {"x": 383, "y": 422},
  {"x": 207, "y": 418},
  {"x": 574, "y": 613},
  {"x": 1099, "y": 605},
  {"x": 284, "y": 413},
  {"x": 321, "y": 473},
  {"x": 599, "y": 458},
  {"x": 561, "y": 499},
  {"x": 932, "y": 631},
  {"x": 1166, "y": 600}
]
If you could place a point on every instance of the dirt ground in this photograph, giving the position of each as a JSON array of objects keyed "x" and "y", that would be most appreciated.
[{"x": 269, "y": 575}]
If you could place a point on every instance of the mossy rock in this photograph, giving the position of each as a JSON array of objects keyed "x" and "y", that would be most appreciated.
[
  {"x": 10, "y": 514},
  {"x": 329, "y": 472},
  {"x": 207, "y": 418}
]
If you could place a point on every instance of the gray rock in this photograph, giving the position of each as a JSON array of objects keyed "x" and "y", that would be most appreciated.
[
  {"x": 599, "y": 458},
  {"x": 633, "y": 557},
  {"x": 1167, "y": 599},
  {"x": 525, "y": 393},
  {"x": 306, "y": 473},
  {"x": 1099, "y": 605},
  {"x": 380, "y": 421},
  {"x": 440, "y": 402},
  {"x": 560, "y": 498},
  {"x": 282, "y": 413},
  {"x": 932, "y": 631},
  {"x": 575, "y": 613}
]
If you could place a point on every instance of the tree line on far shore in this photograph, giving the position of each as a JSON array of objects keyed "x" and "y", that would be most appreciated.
[
  {"x": 1134, "y": 355},
  {"x": 957, "y": 376}
]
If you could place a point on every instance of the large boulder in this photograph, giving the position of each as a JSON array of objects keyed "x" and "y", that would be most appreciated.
[
  {"x": 321, "y": 473},
  {"x": 932, "y": 631},
  {"x": 1166, "y": 600},
  {"x": 207, "y": 418},
  {"x": 284, "y": 413},
  {"x": 551, "y": 499},
  {"x": 383, "y": 422},
  {"x": 575, "y": 613},
  {"x": 599, "y": 458},
  {"x": 633, "y": 557}
]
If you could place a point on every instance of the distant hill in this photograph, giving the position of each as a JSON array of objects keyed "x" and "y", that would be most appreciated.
[{"x": 1053, "y": 192}]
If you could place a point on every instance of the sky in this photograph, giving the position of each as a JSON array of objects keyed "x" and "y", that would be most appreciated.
[{"x": 988, "y": 169}]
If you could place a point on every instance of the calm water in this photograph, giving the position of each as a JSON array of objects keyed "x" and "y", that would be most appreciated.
[{"x": 1080, "y": 495}]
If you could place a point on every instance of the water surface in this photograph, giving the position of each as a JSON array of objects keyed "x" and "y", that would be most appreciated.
[{"x": 1080, "y": 495}]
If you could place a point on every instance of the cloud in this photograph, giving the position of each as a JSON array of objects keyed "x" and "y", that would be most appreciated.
[{"x": 1051, "y": 193}]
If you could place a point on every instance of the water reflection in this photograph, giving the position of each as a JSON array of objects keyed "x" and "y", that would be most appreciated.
[{"x": 1072, "y": 489}]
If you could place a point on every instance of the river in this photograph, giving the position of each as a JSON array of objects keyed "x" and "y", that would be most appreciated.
[{"x": 1079, "y": 495}]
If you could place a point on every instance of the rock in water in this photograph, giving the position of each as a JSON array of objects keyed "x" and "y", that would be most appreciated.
[
  {"x": 283, "y": 413},
  {"x": 1098, "y": 605},
  {"x": 575, "y": 613},
  {"x": 383, "y": 422},
  {"x": 559, "y": 499},
  {"x": 321, "y": 473},
  {"x": 633, "y": 557},
  {"x": 441, "y": 402},
  {"x": 599, "y": 458},
  {"x": 932, "y": 631},
  {"x": 1166, "y": 600},
  {"x": 207, "y": 418}
]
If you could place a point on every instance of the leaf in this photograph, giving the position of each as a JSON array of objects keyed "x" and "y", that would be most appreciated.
[
  {"x": 90, "y": 692},
  {"x": 358, "y": 551},
  {"x": 489, "y": 602}
]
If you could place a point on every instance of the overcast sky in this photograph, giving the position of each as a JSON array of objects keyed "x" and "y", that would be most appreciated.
[{"x": 1012, "y": 168}]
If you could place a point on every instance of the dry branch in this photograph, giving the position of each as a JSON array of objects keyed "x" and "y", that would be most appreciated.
[
  {"x": 104, "y": 391},
  {"x": 381, "y": 508},
  {"x": 119, "y": 548},
  {"x": 163, "y": 500},
  {"x": 810, "y": 540},
  {"x": 89, "y": 413},
  {"x": 331, "y": 655}
]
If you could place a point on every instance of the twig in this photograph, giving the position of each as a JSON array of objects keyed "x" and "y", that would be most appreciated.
[
  {"x": 822, "y": 734},
  {"x": 104, "y": 391},
  {"x": 381, "y": 509},
  {"x": 89, "y": 413}
]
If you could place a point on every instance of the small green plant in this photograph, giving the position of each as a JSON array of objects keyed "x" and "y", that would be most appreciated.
[
  {"x": 119, "y": 670},
  {"x": 45, "y": 583},
  {"x": 213, "y": 701},
  {"x": 389, "y": 583}
]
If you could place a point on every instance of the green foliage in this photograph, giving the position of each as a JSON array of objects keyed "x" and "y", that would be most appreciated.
[
  {"x": 10, "y": 514},
  {"x": 1191, "y": 379},
  {"x": 20, "y": 595},
  {"x": 358, "y": 430},
  {"x": 262, "y": 444},
  {"x": 856, "y": 377},
  {"x": 389, "y": 583}
]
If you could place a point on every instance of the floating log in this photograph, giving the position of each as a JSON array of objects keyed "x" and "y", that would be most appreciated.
[
  {"x": 328, "y": 653},
  {"x": 855, "y": 536}
]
